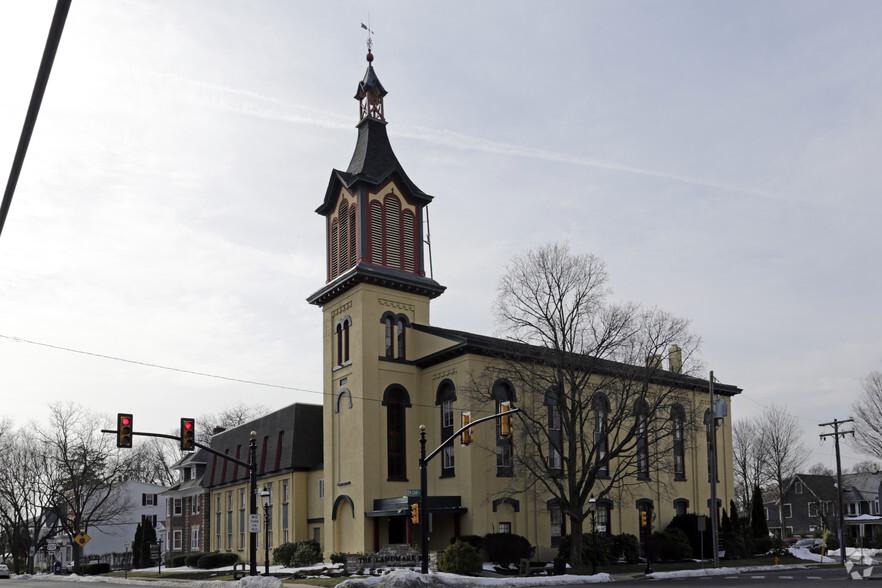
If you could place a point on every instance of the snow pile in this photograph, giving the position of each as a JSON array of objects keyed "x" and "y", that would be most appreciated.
[
  {"x": 693, "y": 573},
  {"x": 409, "y": 579},
  {"x": 803, "y": 553}
]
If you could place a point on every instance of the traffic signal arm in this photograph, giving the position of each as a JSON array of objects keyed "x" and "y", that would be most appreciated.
[{"x": 459, "y": 432}]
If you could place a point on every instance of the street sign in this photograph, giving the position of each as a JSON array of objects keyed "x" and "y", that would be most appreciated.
[
  {"x": 51, "y": 546},
  {"x": 254, "y": 523},
  {"x": 413, "y": 493},
  {"x": 81, "y": 539}
]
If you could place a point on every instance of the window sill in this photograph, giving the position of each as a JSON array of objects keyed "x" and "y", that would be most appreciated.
[
  {"x": 680, "y": 478},
  {"x": 447, "y": 475}
]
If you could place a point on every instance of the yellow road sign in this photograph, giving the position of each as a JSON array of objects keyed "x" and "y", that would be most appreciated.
[{"x": 81, "y": 538}]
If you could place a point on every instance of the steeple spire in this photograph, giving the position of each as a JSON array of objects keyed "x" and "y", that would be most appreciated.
[{"x": 370, "y": 91}]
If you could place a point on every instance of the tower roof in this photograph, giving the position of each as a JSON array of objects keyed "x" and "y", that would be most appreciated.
[{"x": 373, "y": 161}]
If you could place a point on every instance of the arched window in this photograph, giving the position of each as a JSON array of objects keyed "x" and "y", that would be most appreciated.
[
  {"x": 400, "y": 323},
  {"x": 555, "y": 439},
  {"x": 710, "y": 430},
  {"x": 678, "y": 423},
  {"x": 341, "y": 337},
  {"x": 334, "y": 266},
  {"x": 343, "y": 247},
  {"x": 393, "y": 231},
  {"x": 641, "y": 414},
  {"x": 389, "y": 321},
  {"x": 395, "y": 334},
  {"x": 503, "y": 392},
  {"x": 445, "y": 398},
  {"x": 604, "y": 506},
  {"x": 601, "y": 424},
  {"x": 396, "y": 401}
]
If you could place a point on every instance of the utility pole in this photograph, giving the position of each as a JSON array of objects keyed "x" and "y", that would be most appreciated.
[
  {"x": 836, "y": 434},
  {"x": 713, "y": 473}
]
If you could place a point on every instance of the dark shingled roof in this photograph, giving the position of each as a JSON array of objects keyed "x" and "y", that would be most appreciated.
[
  {"x": 465, "y": 343},
  {"x": 373, "y": 163},
  {"x": 300, "y": 429}
]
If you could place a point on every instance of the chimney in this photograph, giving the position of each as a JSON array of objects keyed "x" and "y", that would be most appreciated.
[
  {"x": 675, "y": 359},
  {"x": 218, "y": 430}
]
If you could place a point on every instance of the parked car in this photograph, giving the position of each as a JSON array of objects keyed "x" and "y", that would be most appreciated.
[
  {"x": 789, "y": 542},
  {"x": 812, "y": 544},
  {"x": 4, "y": 571}
]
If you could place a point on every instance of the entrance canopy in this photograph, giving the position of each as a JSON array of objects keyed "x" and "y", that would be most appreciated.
[{"x": 400, "y": 506}]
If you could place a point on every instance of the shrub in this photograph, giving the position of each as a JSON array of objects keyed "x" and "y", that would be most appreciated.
[
  {"x": 762, "y": 545},
  {"x": 474, "y": 540},
  {"x": 177, "y": 561},
  {"x": 507, "y": 548},
  {"x": 688, "y": 523},
  {"x": 284, "y": 553},
  {"x": 298, "y": 554},
  {"x": 210, "y": 561},
  {"x": 192, "y": 559},
  {"x": 605, "y": 548},
  {"x": 627, "y": 547},
  {"x": 734, "y": 544},
  {"x": 308, "y": 553},
  {"x": 461, "y": 558},
  {"x": 670, "y": 545},
  {"x": 93, "y": 569},
  {"x": 338, "y": 557}
]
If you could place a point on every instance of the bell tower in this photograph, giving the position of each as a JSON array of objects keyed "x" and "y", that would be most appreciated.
[
  {"x": 373, "y": 211},
  {"x": 376, "y": 290}
]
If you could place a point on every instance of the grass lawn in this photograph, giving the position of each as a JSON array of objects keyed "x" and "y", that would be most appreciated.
[{"x": 786, "y": 559}]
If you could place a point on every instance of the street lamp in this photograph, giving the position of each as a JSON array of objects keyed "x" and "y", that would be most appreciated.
[
  {"x": 265, "y": 498},
  {"x": 592, "y": 508}
]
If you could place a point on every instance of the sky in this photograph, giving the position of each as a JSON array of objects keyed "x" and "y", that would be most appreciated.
[{"x": 722, "y": 158}]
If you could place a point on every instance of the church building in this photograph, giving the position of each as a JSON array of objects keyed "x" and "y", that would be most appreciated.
[{"x": 388, "y": 370}]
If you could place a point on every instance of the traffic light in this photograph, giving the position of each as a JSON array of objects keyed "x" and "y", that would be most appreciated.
[
  {"x": 188, "y": 434},
  {"x": 124, "y": 430},
  {"x": 643, "y": 514},
  {"x": 467, "y": 436},
  {"x": 415, "y": 513},
  {"x": 505, "y": 419}
]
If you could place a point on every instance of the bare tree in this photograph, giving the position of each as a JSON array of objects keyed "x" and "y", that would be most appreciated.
[
  {"x": 785, "y": 452},
  {"x": 819, "y": 469},
  {"x": 227, "y": 418},
  {"x": 151, "y": 461},
  {"x": 865, "y": 467},
  {"x": 83, "y": 468},
  {"x": 25, "y": 498},
  {"x": 748, "y": 456},
  {"x": 867, "y": 410},
  {"x": 598, "y": 409}
]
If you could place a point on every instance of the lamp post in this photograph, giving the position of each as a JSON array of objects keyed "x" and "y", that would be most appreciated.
[
  {"x": 265, "y": 499},
  {"x": 592, "y": 508}
]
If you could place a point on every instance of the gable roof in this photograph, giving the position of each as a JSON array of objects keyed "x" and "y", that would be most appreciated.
[{"x": 289, "y": 439}]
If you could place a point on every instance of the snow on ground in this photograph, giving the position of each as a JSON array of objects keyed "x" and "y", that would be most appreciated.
[{"x": 408, "y": 579}]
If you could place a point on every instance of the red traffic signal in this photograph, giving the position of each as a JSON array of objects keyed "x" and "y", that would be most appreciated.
[
  {"x": 124, "y": 430},
  {"x": 188, "y": 434}
]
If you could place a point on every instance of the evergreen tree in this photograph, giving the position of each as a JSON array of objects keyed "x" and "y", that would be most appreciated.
[
  {"x": 758, "y": 525},
  {"x": 725, "y": 523},
  {"x": 735, "y": 517},
  {"x": 136, "y": 546},
  {"x": 148, "y": 538}
]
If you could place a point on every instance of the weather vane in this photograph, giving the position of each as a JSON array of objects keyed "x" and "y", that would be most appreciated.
[{"x": 367, "y": 27}]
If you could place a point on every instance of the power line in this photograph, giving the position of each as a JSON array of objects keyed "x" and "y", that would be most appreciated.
[{"x": 156, "y": 365}]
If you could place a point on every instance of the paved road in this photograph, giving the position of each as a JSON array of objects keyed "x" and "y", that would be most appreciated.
[{"x": 823, "y": 576}]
